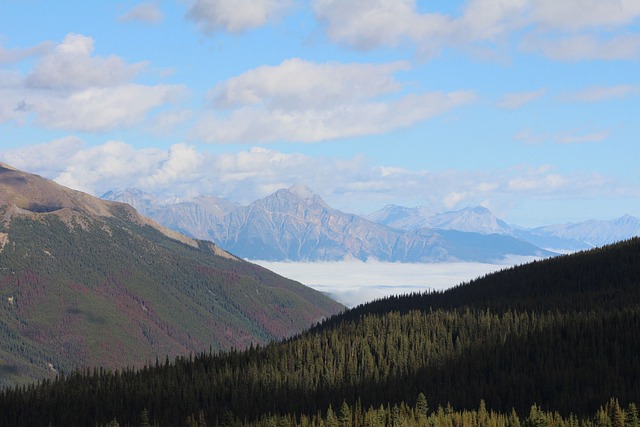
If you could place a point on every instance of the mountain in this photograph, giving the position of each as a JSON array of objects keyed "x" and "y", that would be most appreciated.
[
  {"x": 562, "y": 238},
  {"x": 552, "y": 342},
  {"x": 296, "y": 224},
  {"x": 88, "y": 282},
  {"x": 593, "y": 232},
  {"x": 402, "y": 217},
  {"x": 195, "y": 218},
  {"x": 474, "y": 220}
]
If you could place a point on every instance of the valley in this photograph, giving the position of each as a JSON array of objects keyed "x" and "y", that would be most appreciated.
[{"x": 554, "y": 341}]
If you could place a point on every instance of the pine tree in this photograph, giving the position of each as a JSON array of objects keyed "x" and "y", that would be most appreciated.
[
  {"x": 631, "y": 416},
  {"x": 345, "y": 415},
  {"x": 422, "y": 407},
  {"x": 332, "y": 419}
]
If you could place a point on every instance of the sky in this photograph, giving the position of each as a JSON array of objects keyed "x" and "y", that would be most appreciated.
[{"x": 530, "y": 108}]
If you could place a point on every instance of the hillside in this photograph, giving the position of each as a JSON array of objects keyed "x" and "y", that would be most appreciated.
[
  {"x": 85, "y": 282},
  {"x": 563, "y": 338}
]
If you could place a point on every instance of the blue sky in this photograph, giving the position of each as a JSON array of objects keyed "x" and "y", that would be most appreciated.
[{"x": 528, "y": 107}]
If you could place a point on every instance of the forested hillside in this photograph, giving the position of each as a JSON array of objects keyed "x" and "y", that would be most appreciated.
[
  {"x": 85, "y": 282},
  {"x": 546, "y": 344}
]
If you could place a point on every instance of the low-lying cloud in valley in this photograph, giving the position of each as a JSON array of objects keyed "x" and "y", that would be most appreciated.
[{"x": 356, "y": 282}]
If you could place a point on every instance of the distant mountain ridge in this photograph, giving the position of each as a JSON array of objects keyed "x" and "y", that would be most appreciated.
[
  {"x": 296, "y": 224},
  {"x": 474, "y": 220},
  {"x": 87, "y": 282}
]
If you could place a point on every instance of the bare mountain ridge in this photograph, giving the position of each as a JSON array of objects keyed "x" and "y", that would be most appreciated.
[
  {"x": 297, "y": 224},
  {"x": 28, "y": 194}
]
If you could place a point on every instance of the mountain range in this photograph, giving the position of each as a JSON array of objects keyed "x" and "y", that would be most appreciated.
[
  {"x": 561, "y": 237},
  {"x": 88, "y": 282},
  {"x": 295, "y": 224}
]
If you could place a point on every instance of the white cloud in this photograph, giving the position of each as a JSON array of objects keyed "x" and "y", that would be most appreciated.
[
  {"x": 512, "y": 101},
  {"x": 235, "y": 16},
  {"x": 71, "y": 66},
  {"x": 528, "y": 137},
  {"x": 352, "y": 185},
  {"x": 576, "y": 15},
  {"x": 144, "y": 12},
  {"x": 102, "y": 109},
  {"x": 298, "y": 83},
  {"x": 47, "y": 159},
  {"x": 491, "y": 19},
  {"x": 70, "y": 89},
  {"x": 584, "y": 138},
  {"x": 567, "y": 30},
  {"x": 16, "y": 55},
  {"x": 368, "y": 24},
  {"x": 543, "y": 182},
  {"x": 182, "y": 162},
  {"x": 602, "y": 93},
  {"x": 165, "y": 122},
  {"x": 113, "y": 163},
  {"x": 357, "y": 282},
  {"x": 331, "y": 101},
  {"x": 586, "y": 47},
  {"x": 455, "y": 198}
]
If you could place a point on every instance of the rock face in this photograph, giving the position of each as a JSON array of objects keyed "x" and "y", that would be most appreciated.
[
  {"x": 296, "y": 224},
  {"x": 87, "y": 282}
]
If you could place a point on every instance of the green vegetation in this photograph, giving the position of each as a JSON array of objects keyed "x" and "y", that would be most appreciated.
[
  {"x": 105, "y": 291},
  {"x": 549, "y": 343}
]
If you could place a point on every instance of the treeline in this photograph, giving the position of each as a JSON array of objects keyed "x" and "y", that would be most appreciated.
[{"x": 419, "y": 415}]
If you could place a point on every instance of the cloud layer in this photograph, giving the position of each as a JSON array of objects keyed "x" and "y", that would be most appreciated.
[
  {"x": 566, "y": 30},
  {"x": 304, "y": 101},
  {"x": 355, "y": 282}
]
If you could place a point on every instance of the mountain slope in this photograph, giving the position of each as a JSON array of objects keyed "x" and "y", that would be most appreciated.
[
  {"x": 86, "y": 282},
  {"x": 563, "y": 338},
  {"x": 195, "y": 218}
]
